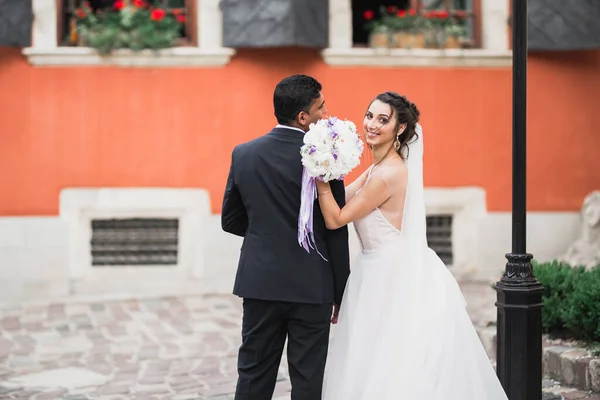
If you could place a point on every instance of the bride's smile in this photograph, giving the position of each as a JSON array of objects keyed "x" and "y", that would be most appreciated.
[{"x": 379, "y": 132}]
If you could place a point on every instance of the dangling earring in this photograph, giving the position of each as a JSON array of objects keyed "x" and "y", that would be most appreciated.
[{"x": 397, "y": 143}]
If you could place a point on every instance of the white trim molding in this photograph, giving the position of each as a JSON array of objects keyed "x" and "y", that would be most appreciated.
[
  {"x": 45, "y": 50},
  {"x": 417, "y": 57},
  {"x": 79, "y": 206},
  {"x": 174, "y": 57},
  {"x": 467, "y": 205},
  {"x": 494, "y": 52}
]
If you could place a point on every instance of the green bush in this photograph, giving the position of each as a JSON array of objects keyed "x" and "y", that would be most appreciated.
[{"x": 571, "y": 300}]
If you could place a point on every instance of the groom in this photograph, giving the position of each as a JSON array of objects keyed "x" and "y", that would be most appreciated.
[{"x": 287, "y": 292}]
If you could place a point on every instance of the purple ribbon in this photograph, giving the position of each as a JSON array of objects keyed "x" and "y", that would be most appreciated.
[{"x": 306, "y": 237}]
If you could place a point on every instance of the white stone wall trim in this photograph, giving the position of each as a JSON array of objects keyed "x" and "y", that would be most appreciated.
[
  {"x": 78, "y": 207},
  {"x": 467, "y": 205},
  {"x": 85, "y": 56},
  {"x": 209, "y": 52},
  {"x": 417, "y": 57}
]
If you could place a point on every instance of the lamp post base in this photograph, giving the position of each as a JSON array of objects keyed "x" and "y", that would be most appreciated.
[{"x": 519, "y": 358}]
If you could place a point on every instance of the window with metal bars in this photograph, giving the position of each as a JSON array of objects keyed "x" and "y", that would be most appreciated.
[
  {"x": 134, "y": 241},
  {"x": 67, "y": 9},
  {"x": 439, "y": 236},
  {"x": 464, "y": 14}
]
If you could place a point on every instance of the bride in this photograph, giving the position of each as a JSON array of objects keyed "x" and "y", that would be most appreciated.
[{"x": 403, "y": 331}]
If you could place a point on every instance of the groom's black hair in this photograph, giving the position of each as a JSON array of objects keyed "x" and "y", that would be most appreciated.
[{"x": 294, "y": 94}]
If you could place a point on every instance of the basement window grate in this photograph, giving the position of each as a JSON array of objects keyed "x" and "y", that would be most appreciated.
[
  {"x": 439, "y": 236},
  {"x": 135, "y": 241}
]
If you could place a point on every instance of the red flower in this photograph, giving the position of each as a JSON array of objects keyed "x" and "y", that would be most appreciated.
[
  {"x": 157, "y": 14},
  {"x": 401, "y": 13},
  {"x": 119, "y": 5},
  {"x": 177, "y": 11},
  {"x": 80, "y": 13},
  {"x": 436, "y": 14},
  {"x": 180, "y": 18},
  {"x": 138, "y": 3},
  {"x": 412, "y": 12},
  {"x": 368, "y": 15},
  {"x": 391, "y": 9}
]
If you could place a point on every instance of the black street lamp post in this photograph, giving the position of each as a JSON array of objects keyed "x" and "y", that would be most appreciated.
[{"x": 519, "y": 350}]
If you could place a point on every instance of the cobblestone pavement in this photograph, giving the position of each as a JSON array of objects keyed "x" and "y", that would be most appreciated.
[
  {"x": 175, "y": 348},
  {"x": 481, "y": 300},
  {"x": 168, "y": 348}
]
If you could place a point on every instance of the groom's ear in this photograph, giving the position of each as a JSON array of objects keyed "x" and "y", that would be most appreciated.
[{"x": 302, "y": 118}]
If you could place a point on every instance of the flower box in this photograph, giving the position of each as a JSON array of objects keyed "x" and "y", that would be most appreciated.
[
  {"x": 397, "y": 28},
  {"x": 134, "y": 25}
]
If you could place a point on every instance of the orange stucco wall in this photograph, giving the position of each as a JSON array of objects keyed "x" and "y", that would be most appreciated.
[{"x": 92, "y": 127}]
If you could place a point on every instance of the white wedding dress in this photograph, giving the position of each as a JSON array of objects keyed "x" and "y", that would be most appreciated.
[{"x": 403, "y": 330}]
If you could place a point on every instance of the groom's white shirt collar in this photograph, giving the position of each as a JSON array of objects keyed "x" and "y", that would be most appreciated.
[{"x": 289, "y": 127}]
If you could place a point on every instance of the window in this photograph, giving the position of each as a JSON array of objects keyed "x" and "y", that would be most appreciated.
[
  {"x": 181, "y": 10},
  {"x": 190, "y": 34},
  {"x": 416, "y": 24},
  {"x": 468, "y": 33}
]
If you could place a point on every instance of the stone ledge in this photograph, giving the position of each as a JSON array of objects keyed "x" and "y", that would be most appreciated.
[
  {"x": 418, "y": 57},
  {"x": 85, "y": 56},
  {"x": 572, "y": 366}
]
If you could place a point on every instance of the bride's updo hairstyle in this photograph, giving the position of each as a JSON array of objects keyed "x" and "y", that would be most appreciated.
[{"x": 405, "y": 112}]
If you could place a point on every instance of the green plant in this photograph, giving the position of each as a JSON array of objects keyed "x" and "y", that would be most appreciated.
[
  {"x": 437, "y": 18},
  {"x": 134, "y": 26},
  {"x": 420, "y": 24},
  {"x": 372, "y": 24},
  {"x": 401, "y": 20},
  {"x": 571, "y": 300},
  {"x": 582, "y": 315},
  {"x": 558, "y": 280},
  {"x": 456, "y": 30},
  {"x": 391, "y": 19}
]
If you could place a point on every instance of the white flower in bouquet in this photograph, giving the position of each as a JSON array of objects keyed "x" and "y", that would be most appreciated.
[{"x": 331, "y": 150}]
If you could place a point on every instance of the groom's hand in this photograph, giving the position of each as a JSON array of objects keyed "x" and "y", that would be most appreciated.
[{"x": 336, "y": 313}]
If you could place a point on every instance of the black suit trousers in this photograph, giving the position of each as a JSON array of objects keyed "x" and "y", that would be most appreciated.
[{"x": 265, "y": 327}]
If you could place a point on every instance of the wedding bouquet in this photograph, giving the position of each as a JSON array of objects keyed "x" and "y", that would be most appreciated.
[{"x": 331, "y": 150}]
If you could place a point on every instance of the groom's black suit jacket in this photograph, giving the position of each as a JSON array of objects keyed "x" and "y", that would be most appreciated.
[{"x": 261, "y": 203}]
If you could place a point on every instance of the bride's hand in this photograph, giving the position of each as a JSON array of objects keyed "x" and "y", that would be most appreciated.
[{"x": 336, "y": 313}]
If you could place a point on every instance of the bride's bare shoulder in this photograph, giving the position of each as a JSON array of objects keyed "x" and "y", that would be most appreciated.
[{"x": 395, "y": 170}]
